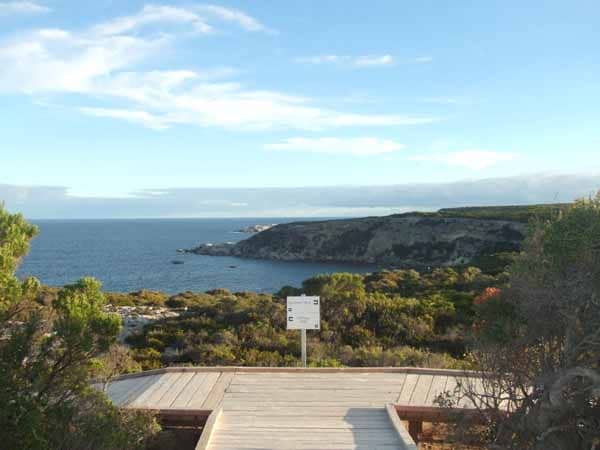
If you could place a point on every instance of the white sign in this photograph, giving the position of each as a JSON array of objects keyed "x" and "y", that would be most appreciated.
[{"x": 303, "y": 313}]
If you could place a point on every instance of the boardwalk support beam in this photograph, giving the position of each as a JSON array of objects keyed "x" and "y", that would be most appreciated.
[{"x": 415, "y": 428}]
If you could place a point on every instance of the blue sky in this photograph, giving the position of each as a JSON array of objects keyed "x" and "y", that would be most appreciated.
[{"x": 128, "y": 99}]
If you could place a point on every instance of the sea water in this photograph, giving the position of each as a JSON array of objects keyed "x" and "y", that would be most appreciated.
[{"x": 128, "y": 255}]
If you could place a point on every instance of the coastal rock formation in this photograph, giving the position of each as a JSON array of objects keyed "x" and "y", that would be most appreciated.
[
  {"x": 136, "y": 317},
  {"x": 406, "y": 240},
  {"x": 256, "y": 228}
]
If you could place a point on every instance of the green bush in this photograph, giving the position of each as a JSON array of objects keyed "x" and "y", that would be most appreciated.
[{"x": 394, "y": 317}]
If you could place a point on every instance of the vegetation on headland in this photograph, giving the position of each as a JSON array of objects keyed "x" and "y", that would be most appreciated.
[{"x": 517, "y": 213}]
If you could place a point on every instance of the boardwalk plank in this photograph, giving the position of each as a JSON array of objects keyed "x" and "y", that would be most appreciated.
[
  {"x": 140, "y": 400},
  {"x": 437, "y": 387},
  {"x": 407, "y": 389},
  {"x": 174, "y": 390},
  {"x": 214, "y": 398},
  {"x": 195, "y": 383},
  {"x": 419, "y": 395},
  {"x": 138, "y": 389}
]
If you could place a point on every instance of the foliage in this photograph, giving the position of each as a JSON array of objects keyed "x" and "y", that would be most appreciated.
[
  {"x": 518, "y": 213},
  {"x": 15, "y": 235},
  {"x": 143, "y": 297},
  {"x": 538, "y": 341},
  {"x": 394, "y": 317},
  {"x": 47, "y": 355},
  {"x": 117, "y": 361}
]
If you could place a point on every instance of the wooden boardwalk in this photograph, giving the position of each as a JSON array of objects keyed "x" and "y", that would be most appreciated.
[
  {"x": 263, "y": 409},
  {"x": 307, "y": 411}
]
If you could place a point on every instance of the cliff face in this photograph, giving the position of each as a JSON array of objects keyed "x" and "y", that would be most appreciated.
[{"x": 410, "y": 240}]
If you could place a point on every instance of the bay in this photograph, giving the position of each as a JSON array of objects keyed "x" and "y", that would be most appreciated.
[{"x": 129, "y": 255}]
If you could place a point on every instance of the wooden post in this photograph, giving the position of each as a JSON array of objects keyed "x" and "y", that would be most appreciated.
[{"x": 415, "y": 428}]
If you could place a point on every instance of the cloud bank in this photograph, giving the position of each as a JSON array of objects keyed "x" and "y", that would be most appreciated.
[
  {"x": 471, "y": 159},
  {"x": 55, "y": 202}
]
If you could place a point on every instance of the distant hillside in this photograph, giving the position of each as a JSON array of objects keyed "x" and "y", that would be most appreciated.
[
  {"x": 516, "y": 213},
  {"x": 519, "y": 213},
  {"x": 448, "y": 237}
]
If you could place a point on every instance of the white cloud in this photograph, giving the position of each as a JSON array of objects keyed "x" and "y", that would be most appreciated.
[
  {"x": 361, "y": 61},
  {"x": 233, "y": 15},
  {"x": 54, "y": 34},
  {"x": 196, "y": 16},
  {"x": 370, "y": 61},
  {"x": 56, "y": 60},
  {"x": 152, "y": 14},
  {"x": 470, "y": 159},
  {"x": 363, "y": 146},
  {"x": 23, "y": 7},
  {"x": 351, "y": 61},
  {"x": 100, "y": 64},
  {"x": 321, "y": 59},
  {"x": 140, "y": 117},
  {"x": 239, "y": 109}
]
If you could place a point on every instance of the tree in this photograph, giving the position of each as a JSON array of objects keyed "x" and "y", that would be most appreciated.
[
  {"x": 47, "y": 357},
  {"x": 538, "y": 341},
  {"x": 343, "y": 300}
]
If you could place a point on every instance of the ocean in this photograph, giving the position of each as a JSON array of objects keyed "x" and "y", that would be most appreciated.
[{"x": 129, "y": 255}]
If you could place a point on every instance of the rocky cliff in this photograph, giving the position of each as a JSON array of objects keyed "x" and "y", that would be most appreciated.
[{"x": 407, "y": 240}]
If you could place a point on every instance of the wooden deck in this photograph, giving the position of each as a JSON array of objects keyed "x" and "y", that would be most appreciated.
[{"x": 264, "y": 409}]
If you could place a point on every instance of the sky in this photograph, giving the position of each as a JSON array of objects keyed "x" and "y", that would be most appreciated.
[{"x": 271, "y": 108}]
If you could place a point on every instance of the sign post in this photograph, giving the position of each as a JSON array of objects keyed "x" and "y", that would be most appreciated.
[
  {"x": 303, "y": 313},
  {"x": 303, "y": 345}
]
